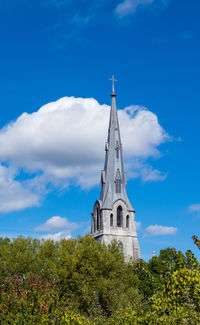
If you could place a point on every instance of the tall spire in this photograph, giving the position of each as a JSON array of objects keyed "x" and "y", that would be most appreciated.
[
  {"x": 113, "y": 216},
  {"x": 113, "y": 178}
]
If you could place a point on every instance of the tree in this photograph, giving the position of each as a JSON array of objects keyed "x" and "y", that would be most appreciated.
[
  {"x": 168, "y": 261},
  {"x": 179, "y": 300}
]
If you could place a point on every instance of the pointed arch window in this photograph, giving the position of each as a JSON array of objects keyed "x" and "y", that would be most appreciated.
[
  {"x": 94, "y": 223},
  {"x": 117, "y": 149},
  {"x": 118, "y": 182},
  {"x": 101, "y": 221},
  {"x": 127, "y": 221},
  {"x": 98, "y": 219},
  {"x": 111, "y": 220},
  {"x": 118, "y": 185},
  {"x": 119, "y": 216}
]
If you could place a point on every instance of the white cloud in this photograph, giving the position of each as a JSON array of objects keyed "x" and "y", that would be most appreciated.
[
  {"x": 76, "y": 14},
  {"x": 15, "y": 196},
  {"x": 141, "y": 132},
  {"x": 63, "y": 143},
  {"x": 128, "y": 7},
  {"x": 194, "y": 207},
  {"x": 57, "y": 236},
  {"x": 156, "y": 230},
  {"x": 57, "y": 223},
  {"x": 138, "y": 225},
  {"x": 149, "y": 174}
]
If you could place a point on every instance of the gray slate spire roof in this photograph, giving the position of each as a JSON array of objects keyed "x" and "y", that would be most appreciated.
[{"x": 113, "y": 178}]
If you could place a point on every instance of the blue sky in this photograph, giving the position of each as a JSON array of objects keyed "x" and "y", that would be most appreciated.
[{"x": 52, "y": 49}]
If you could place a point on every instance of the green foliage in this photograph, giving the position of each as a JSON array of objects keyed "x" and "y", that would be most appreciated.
[
  {"x": 81, "y": 281},
  {"x": 71, "y": 318},
  {"x": 179, "y": 299},
  {"x": 39, "y": 280},
  {"x": 27, "y": 300},
  {"x": 196, "y": 241},
  {"x": 178, "y": 302},
  {"x": 167, "y": 262}
]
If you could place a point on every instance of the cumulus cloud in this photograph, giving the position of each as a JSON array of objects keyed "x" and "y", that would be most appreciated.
[
  {"x": 77, "y": 12},
  {"x": 138, "y": 168},
  {"x": 194, "y": 207},
  {"x": 58, "y": 228},
  {"x": 74, "y": 15},
  {"x": 138, "y": 225},
  {"x": 63, "y": 143},
  {"x": 157, "y": 230},
  {"x": 57, "y": 236},
  {"x": 141, "y": 132},
  {"x": 128, "y": 7},
  {"x": 15, "y": 195},
  {"x": 149, "y": 174},
  {"x": 57, "y": 223}
]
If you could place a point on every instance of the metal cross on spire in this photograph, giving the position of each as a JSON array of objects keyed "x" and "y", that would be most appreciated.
[{"x": 113, "y": 84}]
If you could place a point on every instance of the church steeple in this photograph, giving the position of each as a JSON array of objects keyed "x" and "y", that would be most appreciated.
[
  {"x": 113, "y": 179},
  {"x": 113, "y": 216}
]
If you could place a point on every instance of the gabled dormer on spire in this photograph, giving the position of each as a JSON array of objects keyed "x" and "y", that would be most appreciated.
[{"x": 113, "y": 217}]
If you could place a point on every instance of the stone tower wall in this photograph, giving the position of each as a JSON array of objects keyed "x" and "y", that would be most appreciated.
[{"x": 125, "y": 235}]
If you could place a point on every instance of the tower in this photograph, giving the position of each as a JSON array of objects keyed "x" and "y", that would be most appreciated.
[{"x": 113, "y": 216}]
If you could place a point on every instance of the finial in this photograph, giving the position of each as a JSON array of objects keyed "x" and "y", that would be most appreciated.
[{"x": 113, "y": 84}]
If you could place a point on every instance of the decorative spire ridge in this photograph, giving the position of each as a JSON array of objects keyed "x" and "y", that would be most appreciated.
[{"x": 113, "y": 85}]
